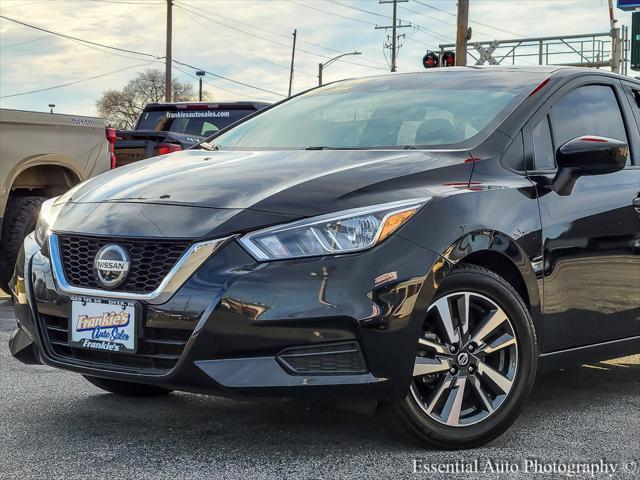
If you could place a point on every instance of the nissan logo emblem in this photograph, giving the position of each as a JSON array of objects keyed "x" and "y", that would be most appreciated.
[{"x": 112, "y": 265}]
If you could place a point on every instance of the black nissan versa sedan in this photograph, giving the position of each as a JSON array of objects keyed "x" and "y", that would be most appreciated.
[{"x": 424, "y": 242}]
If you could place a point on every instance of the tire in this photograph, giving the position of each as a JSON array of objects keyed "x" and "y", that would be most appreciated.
[
  {"x": 427, "y": 415},
  {"x": 128, "y": 389},
  {"x": 19, "y": 221}
]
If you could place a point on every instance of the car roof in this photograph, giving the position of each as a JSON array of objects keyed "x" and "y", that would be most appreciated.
[{"x": 527, "y": 73}]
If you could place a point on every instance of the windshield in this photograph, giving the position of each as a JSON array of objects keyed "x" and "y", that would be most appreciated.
[
  {"x": 194, "y": 122},
  {"x": 390, "y": 111}
]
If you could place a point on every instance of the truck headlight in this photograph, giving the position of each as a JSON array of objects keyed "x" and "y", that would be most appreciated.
[
  {"x": 332, "y": 234},
  {"x": 48, "y": 214}
]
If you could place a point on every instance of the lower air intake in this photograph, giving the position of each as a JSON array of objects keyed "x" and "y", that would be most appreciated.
[{"x": 334, "y": 359}]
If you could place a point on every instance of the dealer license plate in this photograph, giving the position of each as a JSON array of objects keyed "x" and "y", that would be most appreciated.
[{"x": 104, "y": 325}]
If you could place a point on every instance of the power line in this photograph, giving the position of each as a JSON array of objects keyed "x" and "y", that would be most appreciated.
[
  {"x": 125, "y": 2},
  {"x": 364, "y": 10},
  {"x": 215, "y": 86},
  {"x": 192, "y": 16},
  {"x": 418, "y": 28},
  {"x": 431, "y": 18},
  {"x": 229, "y": 79},
  {"x": 134, "y": 52},
  {"x": 78, "y": 39},
  {"x": 333, "y": 13},
  {"x": 283, "y": 35},
  {"x": 472, "y": 21},
  {"x": 38, "y": 39},
  {"x": 286, "y": 36},
  {"x": 77, "y": 81},
  {"x": 23, "y": 42},
  {"x": 181, "y": 5}
]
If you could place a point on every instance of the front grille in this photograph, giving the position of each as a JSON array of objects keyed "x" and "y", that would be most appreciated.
[
  {"x": 158, "y": 348},
  {"x": 335, "y": 359},
  {"x": 151, "y": 261}
]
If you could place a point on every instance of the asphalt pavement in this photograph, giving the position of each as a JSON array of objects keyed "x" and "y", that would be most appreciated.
[{"x": 54, "y": 424}]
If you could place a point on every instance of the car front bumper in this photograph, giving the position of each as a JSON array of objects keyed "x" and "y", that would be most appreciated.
[{"x": 241, "y": 320}]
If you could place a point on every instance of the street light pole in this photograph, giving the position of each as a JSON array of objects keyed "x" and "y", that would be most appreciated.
[
  {"x": 322, "y": 66},
  {"x": 200, "y": 74}
]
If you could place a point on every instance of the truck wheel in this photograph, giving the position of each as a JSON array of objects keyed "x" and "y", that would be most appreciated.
[
  {"x": 128, "y": 389},
  {"x": 475, "y": 366},
  {"x": 19, "y": 221}
]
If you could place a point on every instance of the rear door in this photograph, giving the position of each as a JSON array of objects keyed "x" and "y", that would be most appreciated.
[{"x": 591, "y": 277}]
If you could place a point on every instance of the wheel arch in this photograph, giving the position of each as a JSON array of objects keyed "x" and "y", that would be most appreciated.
[
  {"x": 501, "y": 254},
  {"x": 50, "y": 174}
]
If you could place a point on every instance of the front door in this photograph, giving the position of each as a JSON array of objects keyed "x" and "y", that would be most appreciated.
[{"x": 591, "y": 237}]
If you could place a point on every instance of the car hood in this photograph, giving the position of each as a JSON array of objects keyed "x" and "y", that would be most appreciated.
[{"x": 269, "y": 186}]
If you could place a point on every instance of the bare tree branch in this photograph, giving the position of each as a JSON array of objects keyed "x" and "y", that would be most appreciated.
[{"x": 121, "y": 108}]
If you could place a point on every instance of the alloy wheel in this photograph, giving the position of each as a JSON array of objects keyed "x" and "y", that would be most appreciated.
[{"x": 467, "y": 360}]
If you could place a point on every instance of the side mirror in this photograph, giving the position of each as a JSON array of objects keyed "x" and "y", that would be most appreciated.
[{"x": 589, "y": 155}]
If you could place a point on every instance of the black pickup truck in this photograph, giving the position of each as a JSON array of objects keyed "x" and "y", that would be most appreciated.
[{"x": 169, "y": 127}]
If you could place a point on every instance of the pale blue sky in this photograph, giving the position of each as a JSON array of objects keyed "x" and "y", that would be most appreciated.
[{"x": 221, "y": 36}]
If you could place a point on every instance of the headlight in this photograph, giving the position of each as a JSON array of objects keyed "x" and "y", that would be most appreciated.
[
  {"x": 341, "y": 232},
  {"x": 48, "y": 213}
]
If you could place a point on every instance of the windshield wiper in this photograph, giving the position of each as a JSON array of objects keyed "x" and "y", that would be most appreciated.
[
  {"x": 318, "y": 148},
  {"x": 208, "y": 146}
]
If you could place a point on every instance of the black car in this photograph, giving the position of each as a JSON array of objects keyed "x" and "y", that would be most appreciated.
[{"x": 421, "y": 242}]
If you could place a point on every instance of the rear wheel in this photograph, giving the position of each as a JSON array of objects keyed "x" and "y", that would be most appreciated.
[
  {"x": 475, "y": 366},
  {"x": 128, "y": 389}
]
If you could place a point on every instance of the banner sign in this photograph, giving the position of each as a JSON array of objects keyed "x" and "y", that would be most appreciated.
[{"x": 628, "y": 4}]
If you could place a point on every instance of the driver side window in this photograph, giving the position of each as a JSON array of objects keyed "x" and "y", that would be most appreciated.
[{"x": 588, "y": 110}]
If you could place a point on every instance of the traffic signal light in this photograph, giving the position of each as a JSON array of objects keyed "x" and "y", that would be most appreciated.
[
  {"x": 431, "y": 60},
  {"x": 448, "y": 59}
]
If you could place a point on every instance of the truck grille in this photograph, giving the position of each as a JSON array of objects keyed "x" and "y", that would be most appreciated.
[
  {"x": 151, "y": 261},
  {"x": 158, "y": 348}
]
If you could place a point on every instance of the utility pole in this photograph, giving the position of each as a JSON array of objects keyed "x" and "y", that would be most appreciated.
[
  {"x": 462, "y": 34},
  {"x": 167, "y": 65},
  {"x": 616, "y": 43},
  {"x": 293, "y": 57},
  {"x": 394, "y": 36},
  {"x": 394, "y": 40}
]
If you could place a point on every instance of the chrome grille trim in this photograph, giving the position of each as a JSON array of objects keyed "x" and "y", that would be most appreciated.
[{"x": 190, "y": 261}]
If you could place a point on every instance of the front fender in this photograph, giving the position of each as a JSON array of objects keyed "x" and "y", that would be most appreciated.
[
  {"x": 481, "y": 241},
  {"x": 501, "y": 218}
]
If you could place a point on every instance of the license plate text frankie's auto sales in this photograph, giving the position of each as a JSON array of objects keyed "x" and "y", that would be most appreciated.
[{"x": 106, "y": 325}]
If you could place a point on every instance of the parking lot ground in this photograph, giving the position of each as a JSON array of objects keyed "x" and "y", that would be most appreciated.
[{"x": 53, "y": 424}]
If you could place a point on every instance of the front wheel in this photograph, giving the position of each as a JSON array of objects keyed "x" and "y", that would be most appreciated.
[
  {"x": 128, "y": 389},
  {"x": 475, "y": 366}
]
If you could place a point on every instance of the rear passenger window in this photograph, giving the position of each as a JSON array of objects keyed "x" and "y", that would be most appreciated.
[
  {"x": 543, "y": 146},
  {"x": 588, "y": 110}
]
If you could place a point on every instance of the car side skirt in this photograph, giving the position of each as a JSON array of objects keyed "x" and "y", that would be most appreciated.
[{"x": 590, "y": 353}]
